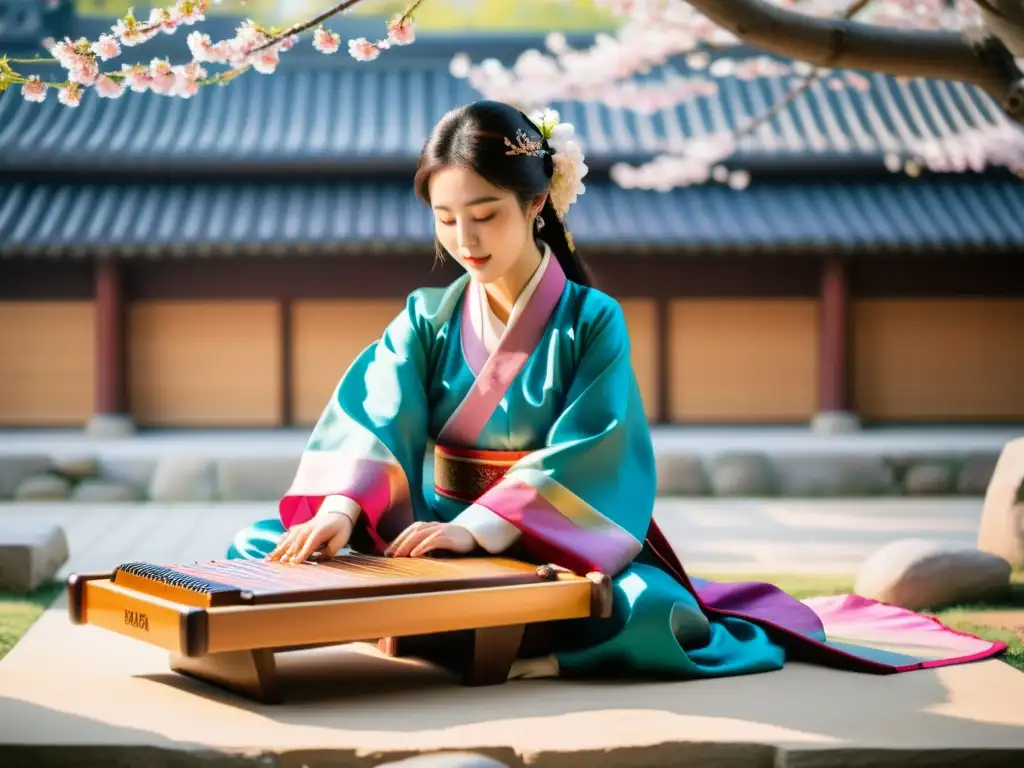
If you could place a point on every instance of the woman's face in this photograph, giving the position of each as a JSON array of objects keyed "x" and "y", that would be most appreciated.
[{"x": 483, "y": 227}]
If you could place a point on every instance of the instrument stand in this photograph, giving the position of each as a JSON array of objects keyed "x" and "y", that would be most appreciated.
[
  {"x": 252, "y": 674},
  {"x": 480, "y": 656}
]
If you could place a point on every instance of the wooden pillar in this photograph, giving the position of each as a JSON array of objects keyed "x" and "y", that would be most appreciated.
[
  {"x": 664, "y": 383},
  {"x": 111, "y": 415},
  {"x": 834, "y": 331},
  {"x": 287, "y": 364}
]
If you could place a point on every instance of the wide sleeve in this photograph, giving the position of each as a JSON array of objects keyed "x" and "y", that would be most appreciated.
[
  {"x": 369, "y": 442},
  {"x": 585, "y": 500}
]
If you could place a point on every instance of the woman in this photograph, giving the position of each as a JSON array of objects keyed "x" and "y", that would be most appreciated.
[{"x": 520, "y": 372}]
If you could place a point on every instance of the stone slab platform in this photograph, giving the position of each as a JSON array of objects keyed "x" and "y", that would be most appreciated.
[
  {"x": 82, "y": 696},
  {"x": 713, "y": 536},
  {"x": 668, "y": 439}
]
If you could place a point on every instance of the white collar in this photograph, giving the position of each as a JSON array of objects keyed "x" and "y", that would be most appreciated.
[{"x": 486, "y": 324}]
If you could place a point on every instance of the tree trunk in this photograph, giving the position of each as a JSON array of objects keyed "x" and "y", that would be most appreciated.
[{"x": 841, "y": 43}]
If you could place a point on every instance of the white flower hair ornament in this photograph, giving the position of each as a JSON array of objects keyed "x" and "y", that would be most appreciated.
[{"x": 566, "y": 153}]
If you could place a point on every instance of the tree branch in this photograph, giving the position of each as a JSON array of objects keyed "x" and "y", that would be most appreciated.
[{"x": 846, "y": 44}]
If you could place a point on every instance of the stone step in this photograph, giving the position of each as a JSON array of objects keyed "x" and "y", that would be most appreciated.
[{"x": 178, "y": 475}]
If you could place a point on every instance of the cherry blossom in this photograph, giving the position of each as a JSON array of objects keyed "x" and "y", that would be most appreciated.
[
  {"x": 108, "y": 88},
  {"x": 620, "y": 70},
  {"x": 34, "y": 89},
  {"x": 401, "y": 32},
  {"x": 362, "y": 49},
  {"x": 326, "y": 41},
  {"x": 631, "y": 68},
  {"x": 70, "y": 95},
  {"x": 106, "y": 47}
]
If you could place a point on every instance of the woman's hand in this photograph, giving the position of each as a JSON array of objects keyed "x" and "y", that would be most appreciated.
[
  {"x": 327, "y": 531},
  {"x": 420, "y": 538}
]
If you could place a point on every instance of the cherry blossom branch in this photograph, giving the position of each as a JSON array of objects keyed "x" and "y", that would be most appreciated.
[
  {"x": 844, "y": 43},
  {"x": 801, "y": 88},
  {"x": 398, "y": 28},
  {"x": 720, "y": 149},
  {"x": 301, "y": 27},
  {"x": 253, "y": 47}
]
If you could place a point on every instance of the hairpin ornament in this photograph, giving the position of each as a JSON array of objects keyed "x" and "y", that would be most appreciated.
[{"x": 524, "y": 145}]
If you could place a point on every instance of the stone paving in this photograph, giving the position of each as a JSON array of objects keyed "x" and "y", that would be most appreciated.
[
  {"x": 712, "y": 535},
  {"x": 83, "y": 696}
]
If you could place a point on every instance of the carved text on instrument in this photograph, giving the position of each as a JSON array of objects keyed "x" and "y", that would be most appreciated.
[{"x": 136, "y": 619}]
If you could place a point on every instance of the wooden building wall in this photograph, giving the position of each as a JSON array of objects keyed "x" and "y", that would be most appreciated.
[
  {"x": 940, "y": 359},
  {"x": 326, "y": 336},
  {"x": 743, "y": 360},
  {"x": 204, "y": 363},
  {"x": 234, "y": 343},
  {"x": 47, "y": 362}
]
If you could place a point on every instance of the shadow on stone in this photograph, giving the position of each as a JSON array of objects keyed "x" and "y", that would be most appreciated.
[
  {"x": 332, "y": 688},
  {"x": 102, "y": 745}
]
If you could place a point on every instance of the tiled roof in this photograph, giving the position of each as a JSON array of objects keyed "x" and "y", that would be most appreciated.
[
  {"x": 335, "y": 114},
  {"x": 142, "y": 218}
]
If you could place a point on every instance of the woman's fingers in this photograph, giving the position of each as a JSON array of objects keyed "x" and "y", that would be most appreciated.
[
  {"x": 411, "y": 537},
  {"x": 337, "y": 543},
  {"x": 311, "y": 542},
  {"x": 434, "y": 540},
  {"x": 282, "y": 544},
  {"x": 402, "y": 538}
]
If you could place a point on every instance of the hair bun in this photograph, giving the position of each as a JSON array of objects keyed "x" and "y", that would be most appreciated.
[{"x": 549, "y": 162}]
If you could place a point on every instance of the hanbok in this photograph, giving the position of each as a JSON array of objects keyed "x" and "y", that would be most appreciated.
[{"x": 541, "y": 449}]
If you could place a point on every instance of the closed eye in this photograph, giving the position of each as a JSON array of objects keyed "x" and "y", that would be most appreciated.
[{"x": 451, "y": 222}]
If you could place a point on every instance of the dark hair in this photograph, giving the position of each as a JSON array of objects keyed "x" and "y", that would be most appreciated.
[{"x": 473, "y": 137}]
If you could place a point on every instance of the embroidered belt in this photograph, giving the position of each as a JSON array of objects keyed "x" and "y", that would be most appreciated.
[{"x": 465, "y": 474}]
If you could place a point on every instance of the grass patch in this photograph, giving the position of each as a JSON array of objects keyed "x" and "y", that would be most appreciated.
[
  {"x": 19, "y": 612},
  {"x": 970, "y": 618}
]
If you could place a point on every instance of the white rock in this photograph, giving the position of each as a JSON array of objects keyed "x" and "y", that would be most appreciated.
[
  {"x": 919, "y": 574},
  {"x": 446, "y": 760},
  {"x": 976, "y": 474},
  {"x": 31, "y": 553},
  {"x": 929, "y": 479},
  {"x": 77, "y": 467},
  {"x": 136, "y": 471},
  {"x": 104, "y": 491},
  {"x": 1002, "y": 519},
  {"x": 842, "y": 476},
  {"x": 681, "y": 475},
  {"x": 183, "y": 478},
  {"x": 742, "y": 474},
  {"x": 15, "y": 469},
  {"x": 43, "y": 488},
  {"x": 835, "y": 423},
  {"x": 110, "y": 425}
]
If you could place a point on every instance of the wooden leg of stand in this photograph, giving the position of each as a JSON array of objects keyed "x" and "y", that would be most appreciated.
[
  {"x": 447, "y": 649},
  {"x": 390, "y": 646},
  {"x": 250, "y": 673},
  {"x": 494, "y": 651}
]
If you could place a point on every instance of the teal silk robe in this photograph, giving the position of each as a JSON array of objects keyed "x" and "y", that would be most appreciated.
[{"x": 563, "y": 388}]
